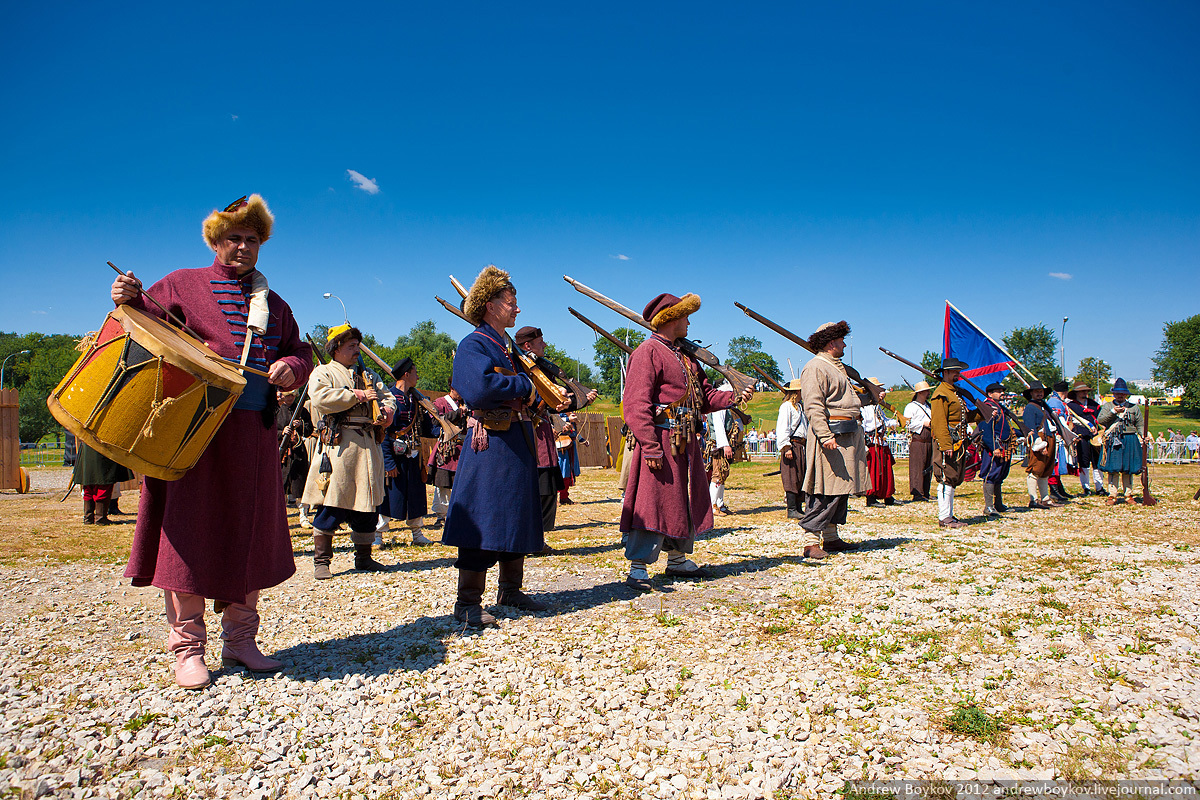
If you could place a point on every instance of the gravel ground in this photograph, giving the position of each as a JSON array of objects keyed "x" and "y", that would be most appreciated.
[{"x": 1039, "y": 646}]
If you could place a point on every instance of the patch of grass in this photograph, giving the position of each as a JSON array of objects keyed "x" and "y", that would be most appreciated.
[
  {"x": 135, "y": 724},
  {"x": 212, "y": 740},
  {"x": 968, "y": 719},
  {"x": 1057, "y": 605}
]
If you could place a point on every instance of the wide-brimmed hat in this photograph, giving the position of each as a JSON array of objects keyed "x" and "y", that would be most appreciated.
[
  {"x": 527, "y": 334},
  {"x": 792, "y": 386},
  {"x": 490, "y": 282},
  {"x": 401, "y": 367},
  {"x": 245, "y": 212},
  {"x": 994, "y": 387},
  {"x": 922, "y": 386},
  {"x": 950, "y": 362},
  {"x": 667, "y": 307},
  {"x": 1080, "y": 387},
  {"x": 1035, "y": 385},
  {"x": 338, "y": 335},
  {"x": 827, "y": 333},
  {"x": 1120, "y": 386}
]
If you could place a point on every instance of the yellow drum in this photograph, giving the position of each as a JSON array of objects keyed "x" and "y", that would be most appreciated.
[{"x": 146, "y": 394}]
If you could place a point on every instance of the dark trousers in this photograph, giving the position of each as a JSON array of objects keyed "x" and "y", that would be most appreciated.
[
  {"x": 471, "y": 559},
  {"x": 824, "y": 510},
  {"x": 920, "y": 457},
  {"x": 328, "y": 518}
]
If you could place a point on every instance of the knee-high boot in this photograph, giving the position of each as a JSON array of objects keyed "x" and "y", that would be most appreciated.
[
  {"x": 468, "y": 608},
  {"x": 322, "y": 555},
  {"x": 239, "y": 628},
  {"x": 512, "y": 575},
  {"x": 186, "y": 638},
  {"x": 989, "y": 509}
]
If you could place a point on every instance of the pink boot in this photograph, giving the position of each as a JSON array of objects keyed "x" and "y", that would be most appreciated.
[
  {"x": 186, "y": 638},
  {"x": 239, "y": 627}
]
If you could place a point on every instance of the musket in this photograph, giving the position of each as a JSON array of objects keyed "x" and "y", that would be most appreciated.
[
  {"x": 1020, "y": 423},
  {"x": 871, "y": 389},
  {"x": 1147, "y": 498},
  {"x": 738, "y": 380},
  {"x": 768, "y": 379},
  {"x": 578, "y": 392},
  {"x": 769, "y": 474},
  {"x": 449, "y": 429},
  {"x": 620, "y": 345}
]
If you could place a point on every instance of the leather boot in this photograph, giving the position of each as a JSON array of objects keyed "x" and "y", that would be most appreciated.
[
  {"x": 831, "y": 542},
  {"x": 363, "y": 560},
  {"x": 998, "y": 499},
  {"x": 239, "y": 627},
  {"x": 512, "y": 575},
  {"x": 89, "y": 512},
  {"x": 322, "y": 556},
  {"x": 102, "y": 512},
  {"x": 467, "y": 606},
  {"x": 186, "y": 638},
  {"x": 793, "y": 506}
]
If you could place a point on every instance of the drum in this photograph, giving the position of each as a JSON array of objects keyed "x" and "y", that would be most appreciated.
[{"x": 146, "y": 394}]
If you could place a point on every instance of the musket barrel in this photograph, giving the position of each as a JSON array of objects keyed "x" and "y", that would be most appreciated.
[{"x": 624, "y": 347}]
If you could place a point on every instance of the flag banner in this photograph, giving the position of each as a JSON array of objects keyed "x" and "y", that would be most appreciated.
[{"x": 965, "y": 341}]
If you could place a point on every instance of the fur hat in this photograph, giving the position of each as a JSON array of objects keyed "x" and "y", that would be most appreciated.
[
  {"x": 827, "y": 333},
  {"x": 339, "y": 335},
  {"x": 251, "y": 212},
  {"x": 668, "y": 307},
  {"x": 1035, "y": 385},
  {"x": 489, "y": 283},
  {"x": 402, "y": 367},
  {"x": 527, "y": 334},
  {"x": 922, "y": 386}
]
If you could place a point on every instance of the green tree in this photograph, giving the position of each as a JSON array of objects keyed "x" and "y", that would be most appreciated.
[
  {"x": 931, "y": 361},
  {"x": 1096, "y": 373},
  {"x": 1037, "y": 348},
  {"x": 609, "y": 359},
  {"x": 35, "y": 375},
  {"x": 430, "y": 349},
  {"x": 745, "y": 352},
  {"x": 1177, "y": 362},
  {"x": 572, "y": 366}
]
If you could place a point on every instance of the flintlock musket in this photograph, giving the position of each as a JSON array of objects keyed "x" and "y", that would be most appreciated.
[
  {"x": 449, "y": 429},
  {"x": 768, "y": 378},
  {"x": 738, "y": 380},
  {"x": 871, "y": 389},
  {"x": 540, "y": 365},
  {"x": 620, "y": 345}
]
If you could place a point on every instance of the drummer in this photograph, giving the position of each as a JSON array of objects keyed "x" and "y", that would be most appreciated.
[{"x": 221, "y": 531}]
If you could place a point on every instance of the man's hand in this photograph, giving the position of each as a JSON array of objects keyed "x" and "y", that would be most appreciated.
[
  {"x": 995, "y": 413},
  {"x": 830, "y": 444},
  {"x": 281, "y": 374},
  {"x": 788, "y": 453},
  {"x": 654, "y": 463},
  {"x": 746, "y": 395},
  {"x": 728, "y": 451},
  {"x": 592, "y": 395},
  {"x": 948, "y": 454},
  {"x": 125, "y": 288},
  {"x": 393, "y": 473},
  {"x": 564, "y": 405}
]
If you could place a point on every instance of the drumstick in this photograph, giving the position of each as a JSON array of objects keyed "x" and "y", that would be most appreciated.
[
  {"x": 174, "y": 318},
  {"x": 236, "y": 365}
]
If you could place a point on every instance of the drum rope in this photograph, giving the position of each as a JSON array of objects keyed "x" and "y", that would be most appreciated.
[{"x": 158, "y": 406}]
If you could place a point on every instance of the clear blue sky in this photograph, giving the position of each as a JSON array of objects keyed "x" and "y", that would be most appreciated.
[{"x": 858, "y": 160}]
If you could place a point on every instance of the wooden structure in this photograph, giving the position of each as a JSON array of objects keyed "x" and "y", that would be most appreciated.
[{"x": 12, "y": 474}]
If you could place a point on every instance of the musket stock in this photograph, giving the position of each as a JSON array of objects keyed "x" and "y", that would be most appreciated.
[
  {"x": 871, "y": 389},
  {"x": 738, "y": 380}
]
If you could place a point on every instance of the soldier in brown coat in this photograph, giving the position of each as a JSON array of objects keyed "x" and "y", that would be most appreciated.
[{"x": 949, "y": 419}]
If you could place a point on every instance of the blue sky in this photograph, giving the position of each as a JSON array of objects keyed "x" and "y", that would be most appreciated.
[{"x": 860, "y": 161}]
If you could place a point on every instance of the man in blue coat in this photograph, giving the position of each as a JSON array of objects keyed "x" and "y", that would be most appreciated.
[{"x": 495, "y": 513}]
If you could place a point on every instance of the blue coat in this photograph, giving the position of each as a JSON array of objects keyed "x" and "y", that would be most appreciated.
[
  {"x": 404, "y": 495},
  {"x": 495, "y": 503}
]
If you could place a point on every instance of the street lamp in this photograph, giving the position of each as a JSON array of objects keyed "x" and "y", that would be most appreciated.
[
  {"x": 335, "y": 297},
  {"x": 3, "y": 365},
  {"x": 1062, "y": 350}
]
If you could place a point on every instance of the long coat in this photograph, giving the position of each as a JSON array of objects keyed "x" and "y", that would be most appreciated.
[
  {"x": 221, "y": 530},
  {"x": 826, "y": 392},
  {"x": 404, "y": 495},
  {"x": 672, "y": 500},
  {"x": 495, "y": 504},
  {"x": 356, "y": 482},
  {"x": 94, "y": 469}
]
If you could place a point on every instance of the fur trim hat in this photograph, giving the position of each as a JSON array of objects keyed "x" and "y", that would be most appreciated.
[
  {"x": 245, "y": 212},
  {"x": 339, "y": 335},
  {"x": 1035, "y": 385},
  {"x": 402, "y": 367},
  {"x": 489, "y": 283},
  {"x": 922, "y": 386},
  {"x": 827, "y": 333},
  {"x": 527, "y": 334},
  {"x": 668, "y": 307}
]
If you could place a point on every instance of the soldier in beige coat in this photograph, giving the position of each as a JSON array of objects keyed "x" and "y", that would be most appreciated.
[
  {"x": 345, "y": 478},
  {"x": 836, "y": 450}
]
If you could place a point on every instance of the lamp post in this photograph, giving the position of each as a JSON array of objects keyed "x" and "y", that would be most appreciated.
[
  {"x": 5, "y": 364},
  {"x": 1062, "y": 351},
  {"x": 335, "y": 297}
]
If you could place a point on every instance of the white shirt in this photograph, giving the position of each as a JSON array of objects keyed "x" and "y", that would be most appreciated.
[
  {"x": 874, "y": 418},
  {"x": 919, "y": 416},
  {"x": 718, "y": 420},
  {"x": 791, "y": 419}
]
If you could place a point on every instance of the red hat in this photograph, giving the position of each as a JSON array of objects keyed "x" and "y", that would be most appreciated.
[{"x": 667, "y": 307}]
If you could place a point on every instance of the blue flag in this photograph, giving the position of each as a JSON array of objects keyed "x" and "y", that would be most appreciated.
[{"x": 963, "y": 340}]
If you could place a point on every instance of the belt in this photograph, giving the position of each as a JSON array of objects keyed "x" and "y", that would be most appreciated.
[{"x": 841, "y": 419}]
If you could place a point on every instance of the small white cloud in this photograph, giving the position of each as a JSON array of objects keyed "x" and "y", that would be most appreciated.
[
  {"x": 620, "y": 257},
  {"x": 233, "y": 117},
  {"x": 1062, "y": 276},
  {"x": 363, "y": 182},
  {"x": 38, "y": 312}
]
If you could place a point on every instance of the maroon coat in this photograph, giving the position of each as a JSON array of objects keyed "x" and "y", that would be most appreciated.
[
  {"x": 221, "y": 530},
  {"x": 672, "y": 500}
]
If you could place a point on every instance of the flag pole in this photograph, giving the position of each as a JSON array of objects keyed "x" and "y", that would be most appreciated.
[{"x": 999, "y": 346}]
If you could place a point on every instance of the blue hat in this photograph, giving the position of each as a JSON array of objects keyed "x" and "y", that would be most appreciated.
[{"x": 1120, "y": 386}]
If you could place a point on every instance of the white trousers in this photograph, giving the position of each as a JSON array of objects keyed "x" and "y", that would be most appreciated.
[{"x": 945, "y": 501}]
